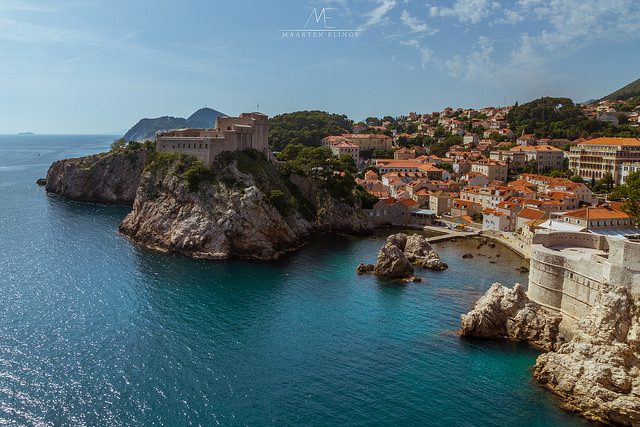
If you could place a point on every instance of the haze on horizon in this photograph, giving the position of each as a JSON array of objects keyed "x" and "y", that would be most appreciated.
[{"x": 98, "y": 66}]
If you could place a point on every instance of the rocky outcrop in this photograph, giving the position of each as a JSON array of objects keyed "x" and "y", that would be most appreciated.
[
  {"x": 396, "y": 259},
  {"x": 392, "y": 262},
  {"x": 103, "y": 178},
  {"x": 419, "y": 252},
  {"x": 225, "y": 212},
  {"x": 508, "y": 313},
  {"x": 363, "y": 268},
  {"x": 597, "y": 373}
]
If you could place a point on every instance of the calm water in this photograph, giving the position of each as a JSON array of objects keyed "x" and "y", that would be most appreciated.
[{"x": 95, "y": 331}]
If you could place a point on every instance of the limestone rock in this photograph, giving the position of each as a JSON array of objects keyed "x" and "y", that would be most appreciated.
[
  {"x": 103, "y": 178},
  {"x": 226, "y": 214},
  {"x": 217, "y": 221},
  {"x": 598, "y": 371},
  {"x": 392, "y": 263},
  {"x": 419, "y": 251},
  {"x": 399, "y": 240},
  {"x": 364, "y": 268},
  {"x": 508, "y": 313}
]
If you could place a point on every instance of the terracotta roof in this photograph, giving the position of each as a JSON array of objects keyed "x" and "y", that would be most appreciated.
[
  {"x": 629, "y": 142},
  {"x": 597, "y": 213},
  {"x": 535, "y": 148},
  {"x": 409, "y": 202},
  {"x": 530, "y": 213}
]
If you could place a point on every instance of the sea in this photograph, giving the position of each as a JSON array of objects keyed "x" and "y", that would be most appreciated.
[{"x": 97, "y": 331}]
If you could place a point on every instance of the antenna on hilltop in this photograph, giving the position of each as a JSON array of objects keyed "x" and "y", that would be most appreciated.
[{"x": 258, "y": 108}]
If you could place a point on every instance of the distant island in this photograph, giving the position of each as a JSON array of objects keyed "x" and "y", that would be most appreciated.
[
  {"x": 26, "y": 133},
  {"x": 147, "y": 128}
]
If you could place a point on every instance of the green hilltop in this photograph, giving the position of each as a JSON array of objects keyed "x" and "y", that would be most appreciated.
[{"x": 629, "y": 91}]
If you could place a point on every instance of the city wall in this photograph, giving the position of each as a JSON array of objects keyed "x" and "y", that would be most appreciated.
[{"x": 569, "y": 270}]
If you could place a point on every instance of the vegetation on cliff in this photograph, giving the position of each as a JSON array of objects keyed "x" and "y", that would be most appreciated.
[
  {"x": 333, "y": 175},
  {"x": 110, "y": 177},
  {"x": 305, "y": 127}
]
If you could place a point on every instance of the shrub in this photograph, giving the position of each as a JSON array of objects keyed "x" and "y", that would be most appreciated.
[{"x": 196, "y": 174}]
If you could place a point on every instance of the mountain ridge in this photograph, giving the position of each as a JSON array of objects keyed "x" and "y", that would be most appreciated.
[
  {"x": 625, "y": 92},
  {"x": 146, "y": 128}
]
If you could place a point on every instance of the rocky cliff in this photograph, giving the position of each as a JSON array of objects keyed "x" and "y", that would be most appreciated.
[
  {"x": 508, "y": 313},
  {"x": 596, "y": 372},
  {"x": 240, "y": 208},
  {"x": 103, "y": 178}
]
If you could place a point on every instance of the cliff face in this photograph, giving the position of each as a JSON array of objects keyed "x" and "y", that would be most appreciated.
[
  {"x": 103, "y": 178},
  {"x": 596, "y": 372},
  {"x": 227, "y": 212},
  {"x": 508, "y": 313}
]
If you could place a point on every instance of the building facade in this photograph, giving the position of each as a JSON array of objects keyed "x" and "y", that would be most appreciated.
[
  {"x": 594, "y": 158},
  {"x": 248, "y": 131}
]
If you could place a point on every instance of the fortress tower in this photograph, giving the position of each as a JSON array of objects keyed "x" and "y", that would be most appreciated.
[{"x": 248, "y": 131}]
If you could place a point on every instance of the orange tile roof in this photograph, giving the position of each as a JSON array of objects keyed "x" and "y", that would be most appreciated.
[
  {"x": 530, "y": 213},
  {"x": 628, "y": 142},
  {"x": 597, "y": 213},
  {"x": 409, "y": 202}
]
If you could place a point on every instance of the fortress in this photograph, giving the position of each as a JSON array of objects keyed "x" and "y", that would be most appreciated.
[
  {"x": 249, "y": 130},
  {"x": 568, "y": 271}
]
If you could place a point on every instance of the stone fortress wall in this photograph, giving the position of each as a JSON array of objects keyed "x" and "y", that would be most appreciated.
[
  {"x": 249, "y": 130},
  {"x": 568, "y": 270}
]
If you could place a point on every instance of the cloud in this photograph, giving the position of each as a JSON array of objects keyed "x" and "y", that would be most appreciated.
[
  {"x": 511, "y": 17},
  {"x": 426, "y": 54},
  {"x": 378, "y": 15},
  {"x": 475, "y": 66},
  {"x": 415, "y": 25},
  {"x": 466, "y": 11},
  {"x": 577, "y": 23}
]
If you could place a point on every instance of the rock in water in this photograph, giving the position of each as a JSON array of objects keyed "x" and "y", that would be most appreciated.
[
  {"x": 103, "y": 178},
  {"x": 598, "y": 371},
  {"x": 364, "y": 268},
  {"x": 419, "y": 251},
  {"x": 508, "y": 313},
  {"x": 398, "y": 239},
  {"x": 392, "y": 263}
]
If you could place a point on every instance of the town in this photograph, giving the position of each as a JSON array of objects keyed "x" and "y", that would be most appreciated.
[{"x": 469, "y": 169}]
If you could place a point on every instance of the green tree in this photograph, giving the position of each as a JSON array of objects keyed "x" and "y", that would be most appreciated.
[
  {"x": 630, "y": 193},
  {"x": 305, "y": 127}
]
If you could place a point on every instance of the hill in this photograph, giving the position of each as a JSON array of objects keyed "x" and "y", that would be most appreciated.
[
  {"x": 629, "y": 91},
  {"x": 305, "y": 127},
  {"x": 204, "y": 118},
  {"x": 147, "y": 128}
]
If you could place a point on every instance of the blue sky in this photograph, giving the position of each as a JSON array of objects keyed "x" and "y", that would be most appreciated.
[{"x": 92, "y": 66}]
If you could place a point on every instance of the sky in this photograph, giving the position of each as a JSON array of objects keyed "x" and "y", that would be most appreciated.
[{"x": 93, "y": 66}]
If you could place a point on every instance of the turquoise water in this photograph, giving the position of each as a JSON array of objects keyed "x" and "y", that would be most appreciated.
[{"x": 95, "y": 331}]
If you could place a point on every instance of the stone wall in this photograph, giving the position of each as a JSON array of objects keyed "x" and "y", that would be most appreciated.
[
  {"x": 250, "y": 130},
  {"x": 568, "y": 270}
]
